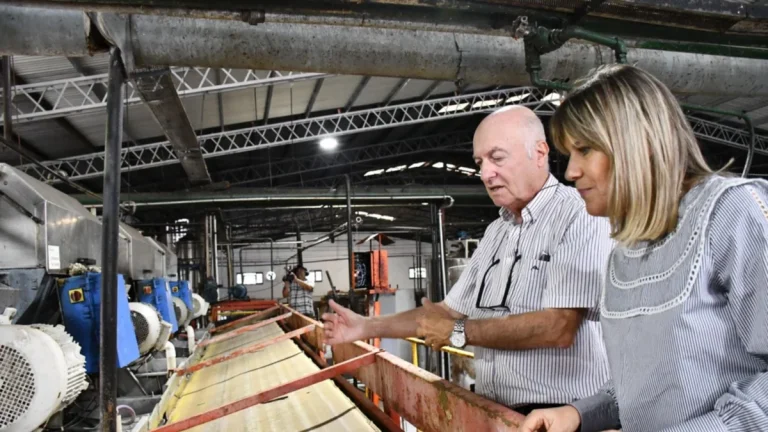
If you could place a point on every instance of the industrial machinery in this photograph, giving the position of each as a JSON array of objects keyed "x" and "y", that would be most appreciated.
[
  {"x": 80, "y": 303},
  {"x": 156, "y": 292},
  {"x": 238, "y": 292},
  {"x": 44, "y": 232},
  {"x": 199, "y": 306},
  {"x": 210, "y": 291},
  {"x": 41, "y": 371},
  {"x": 182, "y": 301},
  {"x": 151, "y": 331}
]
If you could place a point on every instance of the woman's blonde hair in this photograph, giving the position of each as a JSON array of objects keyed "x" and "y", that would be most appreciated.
[{"x": 635, "y": 120}]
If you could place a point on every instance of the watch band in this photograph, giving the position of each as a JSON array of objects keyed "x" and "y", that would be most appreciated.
[{"x": 458, "y": 326}]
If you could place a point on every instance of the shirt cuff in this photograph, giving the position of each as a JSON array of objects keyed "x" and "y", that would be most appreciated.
[{"x": 598, "y": 412}]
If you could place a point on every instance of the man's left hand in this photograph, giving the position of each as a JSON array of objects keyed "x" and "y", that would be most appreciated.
[{"x": 435, "y": 325}]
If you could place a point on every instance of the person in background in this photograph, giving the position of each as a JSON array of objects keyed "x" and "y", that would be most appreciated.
[
  {"x": 298, "y": 291},
  {"x": 527, "y": 300},
  {"x": 685, "y": 305}
]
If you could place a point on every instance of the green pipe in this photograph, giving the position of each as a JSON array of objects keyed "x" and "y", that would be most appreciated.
[
  {"x": 699, "y": 48},
  {"x": 618, "y": 46},
  {"x": 542, "y": 41}
]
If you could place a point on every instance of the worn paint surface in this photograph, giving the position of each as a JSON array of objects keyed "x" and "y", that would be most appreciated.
[{"x": 320, "y": 407}]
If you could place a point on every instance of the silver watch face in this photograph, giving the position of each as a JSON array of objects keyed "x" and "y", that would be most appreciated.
[{"x": 458, "y": 340}]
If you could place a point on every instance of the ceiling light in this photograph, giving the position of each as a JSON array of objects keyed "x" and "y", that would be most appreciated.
[
  {"x": 452, "y": 108},
  {"x": 416, "y": 165},
  {"x": 329, "y": 143},
  {"x": 553, "y": 98},
  {"x": 517, "y": 98},
  {"x": 451, "y": 166},
  {"x": 465, "y": 169},
  {"x": 438, "y": 165},
  {"x": 485, "y": 104},
  {"x": 397, "y": 168},
  {"x": 373, "y": 173}
]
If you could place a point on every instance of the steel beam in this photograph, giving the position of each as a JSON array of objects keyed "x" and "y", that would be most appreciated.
[
  {"x": 39, "y": 100},
  {"x": 360, "y": 155},
  {"x": 295, "y": 131},
  {"x": 268, "y": 103},
  {"x": 313, "y": 97},
  {"x": 88, "y": 94},
  {"x": 98, "y": 91},
  {"x": 156, "y": 89},
  {"x": 395, "y": 90},
  {"x": 356, "y": 93}
]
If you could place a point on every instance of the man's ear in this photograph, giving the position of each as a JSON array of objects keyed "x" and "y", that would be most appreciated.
[{"x": 541, "y": 153}]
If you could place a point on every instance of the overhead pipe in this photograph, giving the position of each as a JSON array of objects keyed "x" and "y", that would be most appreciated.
[
  {"x": 109, "y": 245},
  {"x": 458, "y": 57},
  {"x": 7, "y": 98},
  {"x": 273, "y": 198},
  {"x": 540, "y": 40}
]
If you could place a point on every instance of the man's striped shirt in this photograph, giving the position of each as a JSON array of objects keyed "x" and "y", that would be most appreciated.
[{"x": 554, "y": 258}]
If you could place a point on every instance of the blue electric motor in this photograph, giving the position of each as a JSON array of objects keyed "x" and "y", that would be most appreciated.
[
  {"x": 181, "y": 290},
  {"x": 238, "y": 292},
  {"x": 80, "y": 303},
  {"x": 155, "y": 292}
]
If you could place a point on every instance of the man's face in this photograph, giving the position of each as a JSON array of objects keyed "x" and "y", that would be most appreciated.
[
  {"x": 505, "y": 167},
  {"x": 301, "y": 273}
]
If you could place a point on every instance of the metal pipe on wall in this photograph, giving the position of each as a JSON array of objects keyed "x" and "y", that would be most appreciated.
[
  {"x": 109, "y": 243},
  {"x": 350, "y": 247},
  {"x": 215, "y": 239},
  {"x": 7, "y": 98}
]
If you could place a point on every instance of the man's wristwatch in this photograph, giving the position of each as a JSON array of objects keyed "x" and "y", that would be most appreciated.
[{"x": 458, "y": 338}]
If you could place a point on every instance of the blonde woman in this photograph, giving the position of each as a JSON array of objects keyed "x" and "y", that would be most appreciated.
[{"x": 684, "y": 309}]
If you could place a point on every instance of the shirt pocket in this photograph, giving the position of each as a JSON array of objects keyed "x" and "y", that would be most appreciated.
[{"x": 528, "y": 287}]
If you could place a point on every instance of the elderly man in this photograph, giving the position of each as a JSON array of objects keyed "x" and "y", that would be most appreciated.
[{"x": 527, "y": 301}]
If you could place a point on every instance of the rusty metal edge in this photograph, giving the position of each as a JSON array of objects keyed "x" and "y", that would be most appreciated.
[
  {"x": 379, "y": 417},
  {"x": 424, "y": 399}
]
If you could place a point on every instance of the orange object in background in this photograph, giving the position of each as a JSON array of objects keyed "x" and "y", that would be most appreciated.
[{"x": 379, "y": 270}]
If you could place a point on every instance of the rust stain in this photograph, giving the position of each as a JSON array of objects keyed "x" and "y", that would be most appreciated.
[{"x": 489, "y": 412}]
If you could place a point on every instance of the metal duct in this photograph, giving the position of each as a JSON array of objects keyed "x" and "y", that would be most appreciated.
[
  {"x": 67, "y": 32},
  {"x": 475, "y": 195},
  {"x": 479, "y": 59}
]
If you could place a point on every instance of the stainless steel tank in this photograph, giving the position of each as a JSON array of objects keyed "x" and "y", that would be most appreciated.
[{"x": 190, "y": 255}]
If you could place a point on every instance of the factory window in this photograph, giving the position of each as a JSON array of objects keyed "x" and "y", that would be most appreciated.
[
  {"x": 417, "y": 273},
  {"x": 317, "y": 275},
  {"x": 178, "y": 229},
  {"x": 252, "y": 278}
]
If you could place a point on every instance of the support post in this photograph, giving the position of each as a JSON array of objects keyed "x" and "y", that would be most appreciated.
[
  {"x": 350, "y": 248},
  {"x": 109, "y": 243}
]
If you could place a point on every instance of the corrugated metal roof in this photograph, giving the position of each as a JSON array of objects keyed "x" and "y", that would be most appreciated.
[{"x": 321, "y": 407}]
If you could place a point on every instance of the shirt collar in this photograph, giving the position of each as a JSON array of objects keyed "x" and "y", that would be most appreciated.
[{"x": 538, "y": 204}]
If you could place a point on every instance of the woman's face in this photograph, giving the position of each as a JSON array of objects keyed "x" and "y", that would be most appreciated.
[{"x": 590, "y": 170}]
